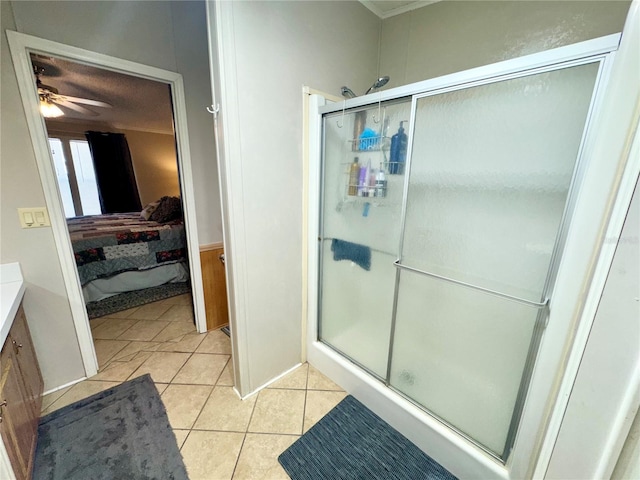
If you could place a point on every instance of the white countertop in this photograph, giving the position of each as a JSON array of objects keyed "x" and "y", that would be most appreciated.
[{"x": 11, "y": 293}]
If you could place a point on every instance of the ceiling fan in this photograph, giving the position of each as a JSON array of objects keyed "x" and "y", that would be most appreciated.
[{"x": 50, "y": 98}]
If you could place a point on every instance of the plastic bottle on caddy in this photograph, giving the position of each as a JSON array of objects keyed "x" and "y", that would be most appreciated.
[
  {"x": 381, "y": 183},
  {"x": 362, "y": 181},
  {"x": 354, "y": 176},
  {"x": 398, "y": 153}
]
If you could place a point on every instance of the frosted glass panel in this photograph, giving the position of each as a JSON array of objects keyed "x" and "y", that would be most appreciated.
[
  {"x": 357, "y": 307},
  {"x": 461, "y": 353},
  {"x": 361, "y": 221},
  {"x": 491, "y": 169}
]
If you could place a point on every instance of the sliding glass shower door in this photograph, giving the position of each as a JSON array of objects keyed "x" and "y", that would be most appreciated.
[
  {"x": 361, "y": 205},
  {"x": 491, "y": 169},
  {"x": 463, "y": 255}
]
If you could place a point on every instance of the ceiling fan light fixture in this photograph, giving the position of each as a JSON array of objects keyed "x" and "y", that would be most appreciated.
[{"x": 49, "y": 109}]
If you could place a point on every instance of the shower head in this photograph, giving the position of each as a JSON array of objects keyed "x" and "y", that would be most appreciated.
[
  {"x": 381, "y": 82},
  {"x": 347, "y": 92}
]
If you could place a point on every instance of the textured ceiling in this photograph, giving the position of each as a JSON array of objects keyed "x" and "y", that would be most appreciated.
[
  {"x": 137, "y": 103},
  {"x": 387, "y": 5},
  {"x": 389, "y": 8}
]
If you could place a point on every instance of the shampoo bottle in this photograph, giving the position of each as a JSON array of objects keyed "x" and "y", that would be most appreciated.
[
  {"x": 372, "y": 181},
  {"x": 354, "y": 176},
  {"x": 366, "y": 180},
  {"x": 362, "y": 181},
  {"x": 398, "y": 153},
  {"x": 381, "y": 183}
]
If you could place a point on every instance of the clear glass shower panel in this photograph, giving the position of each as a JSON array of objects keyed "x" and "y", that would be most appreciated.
[
  {"x": 362, "y": 192},
  {"x": 461, "y": 353},
  {"x": 490, "y": 173}
]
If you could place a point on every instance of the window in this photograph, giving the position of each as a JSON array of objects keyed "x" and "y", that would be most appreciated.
[
  {"x": 62, "y": 176},
  {"x": 76, "y": 177},
  {"x": 85, "y": 177}
]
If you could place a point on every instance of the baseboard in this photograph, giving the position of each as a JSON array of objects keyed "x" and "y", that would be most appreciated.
[
  {"x": 211, "y": 246},
  {"x": 64, "y": 386}
]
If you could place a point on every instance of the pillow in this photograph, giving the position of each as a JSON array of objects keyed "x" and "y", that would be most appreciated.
[
  {"x": 168, "y": 209},
  {"x": 146, "y": 212}
]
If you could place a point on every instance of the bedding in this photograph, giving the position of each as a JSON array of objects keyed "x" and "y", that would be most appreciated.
[
  {"x": 106, "y": 245},
  {"x": 124, "y": 282}
]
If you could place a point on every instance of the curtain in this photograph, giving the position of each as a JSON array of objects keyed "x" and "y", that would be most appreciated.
[{"x": 115, "y": 177}]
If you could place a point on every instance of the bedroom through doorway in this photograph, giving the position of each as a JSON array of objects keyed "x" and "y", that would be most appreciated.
[{"x": 114, "y": 152}]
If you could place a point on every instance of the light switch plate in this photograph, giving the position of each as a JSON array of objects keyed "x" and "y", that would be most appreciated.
[{"x": 34, "y": 217}]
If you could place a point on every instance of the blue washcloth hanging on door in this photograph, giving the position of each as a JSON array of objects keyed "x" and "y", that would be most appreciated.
[{"x": 359, "y": 254}]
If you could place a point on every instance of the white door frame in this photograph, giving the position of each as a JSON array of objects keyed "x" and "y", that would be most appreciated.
[{"x": 21, "y": 46}]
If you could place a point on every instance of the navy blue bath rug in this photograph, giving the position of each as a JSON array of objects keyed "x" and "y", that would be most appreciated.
[
  {"x": 120, "y": 433},
  {"x": 351, "y": 442}
]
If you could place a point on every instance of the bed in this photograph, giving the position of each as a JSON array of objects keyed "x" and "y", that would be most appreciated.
[{"x": 121, "y": 252}]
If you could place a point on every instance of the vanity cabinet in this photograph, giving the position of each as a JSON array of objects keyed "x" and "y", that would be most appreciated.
[{"x": 20, "y": 397}]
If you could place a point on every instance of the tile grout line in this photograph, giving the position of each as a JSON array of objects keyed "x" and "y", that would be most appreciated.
[
  {"x": 235, "y": 466},
  {"x": 244, "y": 437},
  {"x": 111, "y": 360},
  {"x": 208, "y": 397},
  {"x": 107, "y": 321},
  {"x": 106, "y": 363},
  {"x": 185, "y": 439},
  {"x": 306, "y": 390}
]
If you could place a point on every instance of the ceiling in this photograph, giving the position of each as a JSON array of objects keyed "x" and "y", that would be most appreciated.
[
  {"x": 137, "y": 103},
  {"x": 389, "y": 8}
]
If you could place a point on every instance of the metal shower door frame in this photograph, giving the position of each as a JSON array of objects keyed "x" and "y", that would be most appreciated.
[
  {"x": 598, "y": 50},
  {"x": 544, "y": 304}
]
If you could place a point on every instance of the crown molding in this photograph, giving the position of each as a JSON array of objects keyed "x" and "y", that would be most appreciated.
[{"x": 396, "y": 11}]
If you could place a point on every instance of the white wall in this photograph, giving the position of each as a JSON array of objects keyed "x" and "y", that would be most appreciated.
[
  {"x": 628, "y": 465},
  {"x": 609, "y": 364},
  {"x": 450, "y": 36},
  {"x": 144, "y": 32},
  {"x": 275, "y": 48}
]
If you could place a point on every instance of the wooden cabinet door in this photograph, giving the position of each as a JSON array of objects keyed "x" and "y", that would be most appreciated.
[
  {"x": 25, "y": 355},
  {"x": 17, "y": 425},
  {"x": 20, "y": 396},
  {"x": 215, "y": 287}
]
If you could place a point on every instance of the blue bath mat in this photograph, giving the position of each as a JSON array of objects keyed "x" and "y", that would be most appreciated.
[{"x": 351, "y": 442}]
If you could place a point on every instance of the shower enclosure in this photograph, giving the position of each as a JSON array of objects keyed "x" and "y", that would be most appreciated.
[{"x": 435, "y": 269}]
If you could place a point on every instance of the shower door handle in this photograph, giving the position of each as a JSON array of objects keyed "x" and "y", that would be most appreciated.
[{"x": 506, "y": 296}]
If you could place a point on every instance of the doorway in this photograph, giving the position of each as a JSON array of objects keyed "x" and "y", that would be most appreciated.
[{"x": 22, "y": 47}]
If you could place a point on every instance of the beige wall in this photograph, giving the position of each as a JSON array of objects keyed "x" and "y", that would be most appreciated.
[
  {"x": 153, "y": 33},
  {"x": 155, "y": 163},
  {"x": 277, "y": 48},
  {"x": 192, "y": 61},
  {"x": 452, "y": 35}
]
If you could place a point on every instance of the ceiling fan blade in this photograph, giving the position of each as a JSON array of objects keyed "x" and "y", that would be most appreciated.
[
  {"x": 85, "y": 101},
  {"x": 73, "y": 106}
]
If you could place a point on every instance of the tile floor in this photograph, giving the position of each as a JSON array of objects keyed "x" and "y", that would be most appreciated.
[{"x": 219, "y": 435}]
